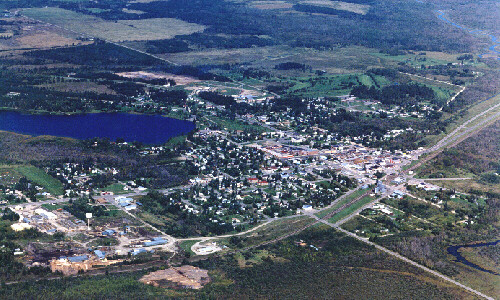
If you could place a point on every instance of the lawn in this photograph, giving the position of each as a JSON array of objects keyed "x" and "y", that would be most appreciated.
[
  {"x": 114, "y": 31},
  {"x": 39, "y": 177}
]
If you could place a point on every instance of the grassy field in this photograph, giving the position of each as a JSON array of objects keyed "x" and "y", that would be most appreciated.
[
  {"x": 418, "y": 60},
  {"x": 331, "y": 85},
  {"x": 467, "y": 185},
  {"x": 176, "y": 141},
  {"x": 270, "y": 231},
  {"x": 116, "y": 188},
  {"x": 349, "y": 210},
  {"x": 233, "y": 125},
  {"x": 51, "y": 207},
  {"x": 340, "y": 203},
  {"x": 39, "y": 177},
  {"x": 186, "y": 246},
  {"x": 121, "y": 30},
  {"x": 332, "y": 61}
]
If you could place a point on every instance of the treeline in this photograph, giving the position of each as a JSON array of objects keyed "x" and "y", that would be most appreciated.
[
  {"x": 98, "y": 54},
  {"x": 108, "y": 77},
  {"x": 192, "y": 71},
  {"x": 34, "y": 97},
  {"x": 183, "y": 43},
  {"x": 219, "y": 15},
  {"x": 389, "y": 73},
  {"x": 81, "y": 206},
  {"x": 401, "y": 94},
  {"x": 293, "y": 66},
  {"x": 167, "y": 46},
  {"x": 173, "y": 97},
  {"x": 217, "y": 98}
]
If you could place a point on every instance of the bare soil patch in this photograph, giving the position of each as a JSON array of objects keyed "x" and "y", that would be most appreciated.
[
  {"x": 178, "y": 277},
  {"x": 179, "y": 79},
  {"x": 265, "y": 5}
]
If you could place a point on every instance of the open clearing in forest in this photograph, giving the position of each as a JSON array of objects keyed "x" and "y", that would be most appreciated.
[{"x": 114, "y": 31}]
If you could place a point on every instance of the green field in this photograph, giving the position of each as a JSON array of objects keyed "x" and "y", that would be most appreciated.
[
  {"x": 349, "y": 210},
  {"x": 186, "y": 246},
  {"x": 39, "y": 177},
  {"x": 115, "y": 188},
  {"x": 333, "y": 85},
  {"x": 233, "y": 125},
  {"x": 266, "y": 58},
  {"x": 176, "y": 141},
  {"x": 51, "y": 207},
  {"x": 414, "y": 60},
  {"x": 114, "y": 31},
  {"x": 352, "y": 196}
]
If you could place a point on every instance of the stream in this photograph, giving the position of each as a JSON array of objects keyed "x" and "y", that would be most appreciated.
[{"x": 454, "y": 250}]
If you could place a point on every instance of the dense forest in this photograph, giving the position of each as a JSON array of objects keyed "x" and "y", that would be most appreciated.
[
  {"x": 184, "y": 43},
  {"x": 418, "y": 27},
  {"x": 400, "y": 94},
  {"x": 98, "y": 54},
  {"x": 217, "y": 98}
]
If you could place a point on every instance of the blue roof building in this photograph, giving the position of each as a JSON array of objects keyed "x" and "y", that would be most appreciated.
[
  {"x": 108, "y": 232},
  {"x": 80, "y": 258},
  {"x": 154, "y": 243},
  {"x": 130, "y": 207},
  {"x": 100, "y": 254},
  {"x": 139, "y": 251},
  {"x": 125, "y": 201}
]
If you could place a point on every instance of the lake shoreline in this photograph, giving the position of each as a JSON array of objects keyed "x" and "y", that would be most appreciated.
[{"x": 145, "y": 128}]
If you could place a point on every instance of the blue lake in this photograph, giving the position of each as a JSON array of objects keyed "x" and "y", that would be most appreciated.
[{"x": 148, "y": 129}]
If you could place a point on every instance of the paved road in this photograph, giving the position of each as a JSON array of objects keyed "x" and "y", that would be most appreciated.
[{"x": 456, "y": 136}]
